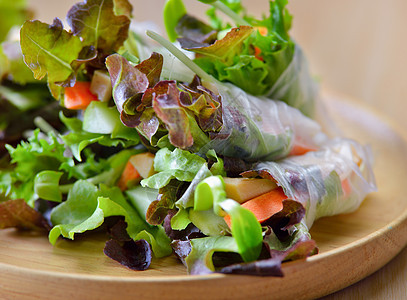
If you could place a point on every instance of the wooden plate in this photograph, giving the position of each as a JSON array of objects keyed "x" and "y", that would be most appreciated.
[{"x": 351, "y": 246}]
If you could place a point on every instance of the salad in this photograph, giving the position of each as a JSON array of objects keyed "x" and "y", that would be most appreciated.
[{"x": 202, "y": 146}]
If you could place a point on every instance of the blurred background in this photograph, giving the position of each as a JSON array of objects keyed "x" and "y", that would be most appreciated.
[{"x": 355, "y": 48}]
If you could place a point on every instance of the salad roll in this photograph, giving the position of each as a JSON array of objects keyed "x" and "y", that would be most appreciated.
[{"x": 333, "y": 180}]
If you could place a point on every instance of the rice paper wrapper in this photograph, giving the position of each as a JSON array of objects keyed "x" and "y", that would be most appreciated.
[
  {"x": 257, "y": 128},
  {"x": 331, "y": 181},
  {"x": 295, "y": 86}
]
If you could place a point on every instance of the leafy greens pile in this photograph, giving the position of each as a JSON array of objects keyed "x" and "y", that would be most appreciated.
[
  {"x": 259, "y": 56},
  {"x": 224, "y": 124}
]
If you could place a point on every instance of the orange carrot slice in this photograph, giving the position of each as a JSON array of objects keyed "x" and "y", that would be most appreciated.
[
  {"x": 130, "y": 176},
  {"x": 299, "y": 149},
  {"x": 264, "y": 206},
  {"x": 79, "y": 96},
  {"x": 346, "y": 187},
  {"x": 262, "y": 30},
  {"x": 257, "y": 53}
]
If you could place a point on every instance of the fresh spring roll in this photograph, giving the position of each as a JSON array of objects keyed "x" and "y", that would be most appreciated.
[
  {"x": 207, "y": 114},
  {"x": 331, "y": 181}
]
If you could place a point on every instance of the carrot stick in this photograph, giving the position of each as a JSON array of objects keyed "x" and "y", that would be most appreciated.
[
  {"x": 130, "y": 176},
  {"x": 264, "y": 206},
  {"x": 346, "y": 187},
  {"x": 298, "y": 149},
  {"x": 79, "y": 96}
]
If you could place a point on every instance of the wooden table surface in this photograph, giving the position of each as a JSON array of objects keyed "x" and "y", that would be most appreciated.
[{"x": 355, "y": 47}]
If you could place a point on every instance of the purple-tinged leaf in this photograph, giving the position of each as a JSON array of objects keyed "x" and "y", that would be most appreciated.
[
  {"x": 158, "y": 209},
  {"x": 265, "y": 267},
  {"x": 190, "y": 232},
  {"x": 299, "y": 246},
  {"x": 152, "y": 68},
  {"x": 17, "y": 213},
  {"x": 118, "y": 231},
  {"x": 97, "y": 24},
  {"x": 190, "y": 28},
  {"x": 196, "y": 105},
  {"x": 135, "y": 255},
  {"x": 182, "y": 249},
  {"x": 128, "y": 83},
  {"x": 87, "y": 54},
  {"x": 123, "y": 7},
  {"x": 302, "y": 250},
  {"x": 168, "y": 109},
  {"x": 132, "y": 121},
  {"x": 205, "y": 104},
  {"x": 263, "y": 173},
  {"x": 292, "y": 213},
  {"x": 149, "y": 124},
  {"x": 147, "y": 100},
  {"x": 134, "y": 89},
  {"x": 234, "y": 166},
  {"x": 210, "y": 118},
  {"x": 156, "y": 212}
]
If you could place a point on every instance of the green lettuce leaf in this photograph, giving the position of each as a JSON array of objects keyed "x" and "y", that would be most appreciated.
[
  {"x": 233, "y": 5},
  {"x": 36, "y": 155},
  {"x": 172, "y": 13},
  {"x": 44, "y": 48},
  {"x": 180, "y": 220},
  {"x": 87, "y": 206},
  {"x": 174, "y": 168},
  {"x": 199, "y": 260},
  {"x": 178, "y": 164},
  {"x": 102, "y": 119},
  {"x": 46, "y": 185},
  {"x": 208, "y": 222},
  {"x": 217, "y": 167}
]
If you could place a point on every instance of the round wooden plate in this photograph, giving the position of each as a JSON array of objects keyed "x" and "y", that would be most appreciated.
[{"x": 351, "y": 246}]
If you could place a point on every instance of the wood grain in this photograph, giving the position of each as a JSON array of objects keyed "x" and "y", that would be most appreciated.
[{"x": 352, "y": 246}]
